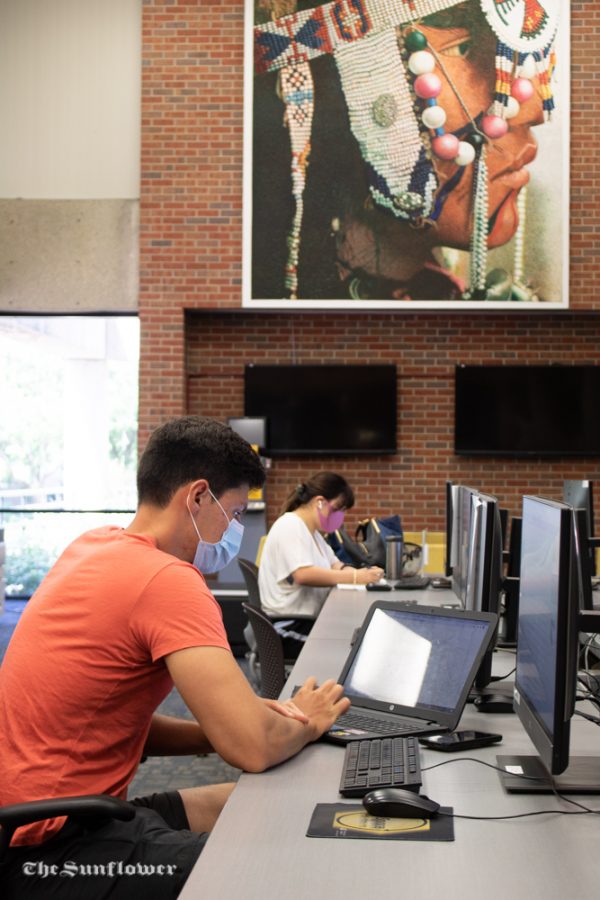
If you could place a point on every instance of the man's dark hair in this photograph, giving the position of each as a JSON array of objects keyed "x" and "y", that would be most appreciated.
[{"x": 192, "y": 447}]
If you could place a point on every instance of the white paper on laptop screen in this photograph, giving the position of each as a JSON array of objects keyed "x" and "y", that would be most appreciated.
[
  {"x": 415, "y": 659},
  {"x": 391, "y": 663}
]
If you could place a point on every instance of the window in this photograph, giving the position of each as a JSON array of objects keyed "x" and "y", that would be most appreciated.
[{"x": 68, "y": 440}]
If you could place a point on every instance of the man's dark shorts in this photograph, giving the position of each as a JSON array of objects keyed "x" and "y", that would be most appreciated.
[{"x": 149, "y": 857}]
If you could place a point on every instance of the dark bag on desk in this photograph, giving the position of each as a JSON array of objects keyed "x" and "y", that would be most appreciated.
[
  {"x": 368, "y": 549},
  {"x": 346, "y": 550}
]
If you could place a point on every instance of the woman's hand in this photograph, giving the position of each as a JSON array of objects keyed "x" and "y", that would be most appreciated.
[{"x": 369, "y": 576}]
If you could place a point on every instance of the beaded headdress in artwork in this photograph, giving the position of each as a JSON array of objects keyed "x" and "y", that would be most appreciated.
[{"x": 390, "y": 85}]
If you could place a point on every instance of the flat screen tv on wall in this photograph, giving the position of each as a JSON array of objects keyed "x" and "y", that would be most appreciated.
[
  {"x": 324, "y": 409},
  {"x": 525, "y": 411}
]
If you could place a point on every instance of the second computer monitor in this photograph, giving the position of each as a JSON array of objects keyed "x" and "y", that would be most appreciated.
[
  {"x": 462, "y": 537},
  {"x": 476, "y": 577},
  {"x": 580, "y": 495}
]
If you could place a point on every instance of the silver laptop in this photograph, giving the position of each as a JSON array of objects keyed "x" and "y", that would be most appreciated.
[{"x": 410, "y": 670}]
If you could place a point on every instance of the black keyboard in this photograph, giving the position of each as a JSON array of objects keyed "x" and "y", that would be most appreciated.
[
  {"x": 411, "y": 582},
  {"x": 380, "y": 763},
  {"x": 351, "y": 720}
]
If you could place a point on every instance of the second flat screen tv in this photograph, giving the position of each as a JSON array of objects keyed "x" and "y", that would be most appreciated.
[
  {"x": 324, "y": 409},
  {"x": 527, "y": 410}
]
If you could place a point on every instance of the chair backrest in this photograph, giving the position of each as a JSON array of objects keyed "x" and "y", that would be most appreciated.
[
  {"x": 250, "y": 574},
  {"x": 270, "y": 652},
  {"x": 261, "y": 545}
]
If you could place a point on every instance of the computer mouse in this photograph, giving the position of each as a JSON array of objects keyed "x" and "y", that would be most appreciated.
[
  {"x": 441, "y": 583},
  {"x": 400, "y": 804}
]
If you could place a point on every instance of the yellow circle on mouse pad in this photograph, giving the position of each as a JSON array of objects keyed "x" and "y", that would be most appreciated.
[{"x": 361, "y": 821}]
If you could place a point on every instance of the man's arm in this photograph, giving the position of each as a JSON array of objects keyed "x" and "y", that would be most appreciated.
[
  {"x": 170, "y": 736},
  {"x": 239, "y": 726}
]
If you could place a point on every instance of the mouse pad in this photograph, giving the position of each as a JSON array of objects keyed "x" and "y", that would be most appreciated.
[{"x": 351, "y": 820}]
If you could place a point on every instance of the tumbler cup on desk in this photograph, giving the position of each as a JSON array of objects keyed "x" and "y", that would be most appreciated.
[{"x": 394, "y": 546}]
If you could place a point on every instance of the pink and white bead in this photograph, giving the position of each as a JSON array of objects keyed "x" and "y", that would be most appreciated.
[
  {"x": 428, "y": 86},
  {"x": 433, "y": 117},
  {"x": 521, "y": 90},
  {"x": 466, "y": 154},
  {"x": 512, "y": 108},
  {"x": 421, "y": 63},
  {"x": 446, "y": 146},
  {"x": 494, "y": 127}
]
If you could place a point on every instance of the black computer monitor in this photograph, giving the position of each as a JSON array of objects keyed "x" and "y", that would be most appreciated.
[
  {"x": 513, "y": 569},
  {"x": 511, "y": 583},
  {"x": 487, "y": 546},
  {"x": 547, "y": 654},
  {"x": 504, "y": 523},
  {"x": 448, "y": 561},
  {"x": 580, "y": 495},
  {"x": 462, "y": 538},
  {"x": 584, "y": 556},
  {"x": 477, "y": 574}
]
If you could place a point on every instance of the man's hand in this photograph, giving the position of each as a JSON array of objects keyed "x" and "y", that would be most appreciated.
[
  {"x": 287, "y": 708},
  {"x": 323, "y": 705},
  {"x": 247, "y": 732}
]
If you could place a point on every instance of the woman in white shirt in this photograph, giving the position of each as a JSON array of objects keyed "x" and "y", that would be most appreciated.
[{"x": 297, "y": 567}]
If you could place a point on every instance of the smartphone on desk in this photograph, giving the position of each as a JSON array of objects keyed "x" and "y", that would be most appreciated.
[{"x": 455, "y": 741}]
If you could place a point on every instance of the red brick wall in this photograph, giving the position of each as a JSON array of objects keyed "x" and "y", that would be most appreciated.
[
  {"x": 190, "y": 258},
  {"x": 425, "y": 348}
]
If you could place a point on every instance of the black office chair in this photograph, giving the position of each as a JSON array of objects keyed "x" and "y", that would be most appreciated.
[
  {"x": 250, "y": 574},
  {"x": 269, "y": 650},
  {"x": 93, "y": 810}
]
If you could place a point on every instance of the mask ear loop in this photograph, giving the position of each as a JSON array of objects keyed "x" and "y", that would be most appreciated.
[{"x": 187, "y": 503}]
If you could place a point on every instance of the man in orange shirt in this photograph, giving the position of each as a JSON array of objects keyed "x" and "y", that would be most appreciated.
[{"x": 121, "y": 617}]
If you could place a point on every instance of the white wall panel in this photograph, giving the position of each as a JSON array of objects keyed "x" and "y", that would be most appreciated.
[{"x": 70, "y": 73}]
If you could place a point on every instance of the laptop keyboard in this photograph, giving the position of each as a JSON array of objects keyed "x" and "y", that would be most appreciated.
[
  {"x": 351, "y": 720},
  {"x": 380, "y": 763}
]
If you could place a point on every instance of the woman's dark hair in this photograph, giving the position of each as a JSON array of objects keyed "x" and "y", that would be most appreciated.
[
  {"x": 192, "y": 447},
  {"x": 323, "y": 484}
]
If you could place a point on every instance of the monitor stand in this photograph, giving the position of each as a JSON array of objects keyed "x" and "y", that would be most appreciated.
[
  {"x": 496, "y": 697},
  {"x": 582, "y": 776}
]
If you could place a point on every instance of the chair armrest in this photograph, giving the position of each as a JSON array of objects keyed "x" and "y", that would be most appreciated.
[{"x": 93, "y": 806}]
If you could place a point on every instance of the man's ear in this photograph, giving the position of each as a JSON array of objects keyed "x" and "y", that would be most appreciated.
[{"x": 198, "y": 491}]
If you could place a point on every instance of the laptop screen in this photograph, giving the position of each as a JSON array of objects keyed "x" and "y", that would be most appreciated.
[{"x": 415, "y": 660}]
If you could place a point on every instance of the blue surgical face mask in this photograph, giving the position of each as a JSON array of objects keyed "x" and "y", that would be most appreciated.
[{"x": 212, "y": 558}]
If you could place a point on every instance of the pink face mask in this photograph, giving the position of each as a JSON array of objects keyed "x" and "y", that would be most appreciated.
[{"x": 332, "y": 521}]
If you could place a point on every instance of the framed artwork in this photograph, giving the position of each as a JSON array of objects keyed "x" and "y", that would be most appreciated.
[{"x": 406, "y": 154}]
